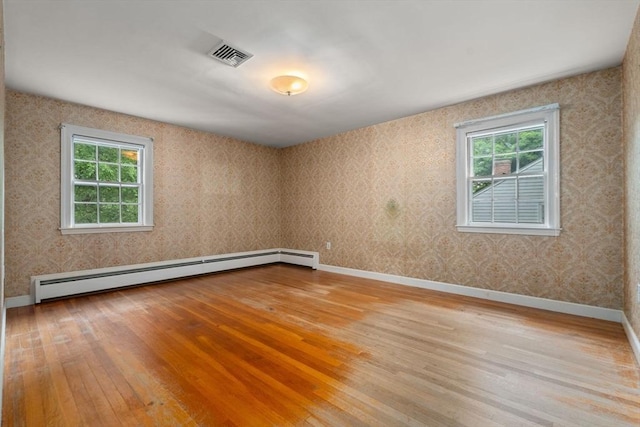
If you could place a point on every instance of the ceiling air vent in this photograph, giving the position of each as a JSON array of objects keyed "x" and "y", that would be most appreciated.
[{"x": 230, "y": 55}]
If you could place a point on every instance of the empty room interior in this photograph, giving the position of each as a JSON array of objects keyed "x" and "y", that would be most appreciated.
[{"x": 317, "y": 212}]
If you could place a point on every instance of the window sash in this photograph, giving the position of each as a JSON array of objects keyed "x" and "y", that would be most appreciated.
[
  {"x": 98, "y": 202},
  {"x": 511, "y": 204}
]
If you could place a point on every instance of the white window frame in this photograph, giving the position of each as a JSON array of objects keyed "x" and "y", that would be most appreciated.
[
  {"x": 67, "y": 135},
  {"x": 549, "y": 115}
]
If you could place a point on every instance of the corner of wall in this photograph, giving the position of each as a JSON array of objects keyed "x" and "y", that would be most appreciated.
[
  {"x": 631, "y": 143},
  {"x": 2, "y": 274}
]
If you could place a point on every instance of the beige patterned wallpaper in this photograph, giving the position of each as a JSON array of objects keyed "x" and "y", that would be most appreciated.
[
  {"x": 212, "y": 194},
  {"x": 216, "y": 195},
  {"x": 337, "y": 189},
  {"x": 631, "y": 85}
]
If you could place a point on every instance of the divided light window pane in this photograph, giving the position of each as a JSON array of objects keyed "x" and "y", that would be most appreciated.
[
  {"x": 506, "y": 183},
  {"x": 106, "y": 182}
]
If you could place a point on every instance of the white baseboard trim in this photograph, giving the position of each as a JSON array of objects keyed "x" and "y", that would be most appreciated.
[
  {"x": 3, "y": 337},
  {"x": 21, "y": 301},
  {"x": 633, "y": 338},
  {"x": 516, "y": 299}
]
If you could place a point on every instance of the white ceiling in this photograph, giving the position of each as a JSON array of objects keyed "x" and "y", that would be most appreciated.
[{"x": 366, "y": 61}]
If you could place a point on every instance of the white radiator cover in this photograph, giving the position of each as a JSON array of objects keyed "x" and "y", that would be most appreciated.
[{"x": 78, "y": 282}]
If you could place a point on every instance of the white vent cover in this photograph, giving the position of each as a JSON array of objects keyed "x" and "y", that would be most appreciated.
[{"x": 230, "y": 55}]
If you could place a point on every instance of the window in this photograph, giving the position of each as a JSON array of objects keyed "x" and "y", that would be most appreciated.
[
  {"x": 106, "y": 181},
  {"x": 508, "y": 173}
]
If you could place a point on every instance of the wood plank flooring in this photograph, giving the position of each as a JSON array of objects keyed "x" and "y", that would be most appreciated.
[{"x": 281, "y": 345}]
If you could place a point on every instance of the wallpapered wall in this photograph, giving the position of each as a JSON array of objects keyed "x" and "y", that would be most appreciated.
[
  {"x": 217, "y": 195},
  {"x": 340, "y": 188},
  {"x": 212, "y": 194},
  {"x": 2, "y": 126},
  {"x": 631, "y": 84},
  {"x": 2, "y": 108}
]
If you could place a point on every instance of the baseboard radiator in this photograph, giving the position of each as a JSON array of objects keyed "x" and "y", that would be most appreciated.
[{"x": 79, "y": 282}]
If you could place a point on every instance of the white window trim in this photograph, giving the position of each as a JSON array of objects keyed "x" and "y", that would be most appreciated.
[
  {"x": 67, "y": 133},
  {"x": 550, "y": 114}
]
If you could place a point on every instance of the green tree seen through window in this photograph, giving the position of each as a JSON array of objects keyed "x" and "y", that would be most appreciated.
[
  {"x": 518, "y": 149},
  {"x": 106, "y": 188}
]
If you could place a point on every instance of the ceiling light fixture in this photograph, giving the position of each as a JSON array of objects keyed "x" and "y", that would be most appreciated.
[{"x": 289, "y": 85}]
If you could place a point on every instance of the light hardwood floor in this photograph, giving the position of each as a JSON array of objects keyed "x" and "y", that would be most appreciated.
[{"x": 282, "y": 345}]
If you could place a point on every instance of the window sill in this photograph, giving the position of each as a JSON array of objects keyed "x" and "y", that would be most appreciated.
[
  {"x": 509, "y": 230},
  {"x": 117, "y": 229}
]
